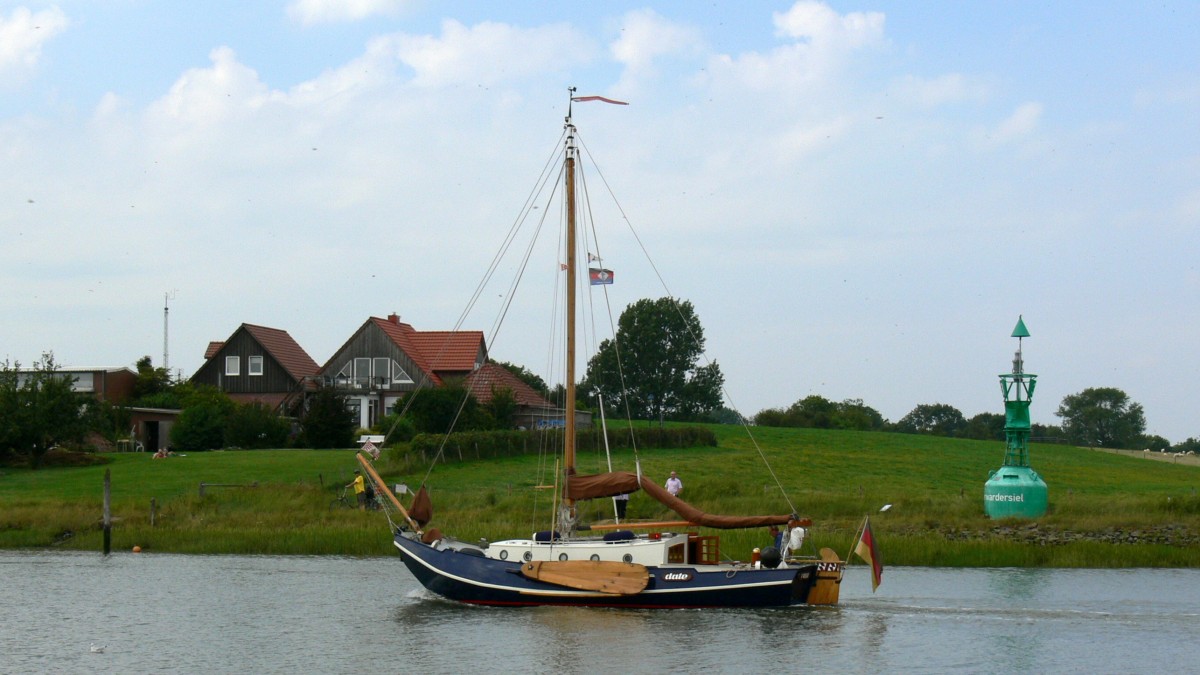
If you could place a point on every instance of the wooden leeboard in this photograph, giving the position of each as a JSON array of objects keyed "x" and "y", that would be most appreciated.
[{"x": 618, "y": 578}]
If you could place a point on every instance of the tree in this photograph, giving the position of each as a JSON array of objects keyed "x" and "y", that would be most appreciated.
[
  {"x": 1102, "y": 417},
  {"x": 38, "y": 409},
  {"x": 657, "y": 346},
  {"x": 525, "y": 375},
  {"x": 151, "y": 381},
  {"x": 436, "y": 411},
  {"x": 1155, "y": 443},
  {"x": 502, "y": 408},
  {"x": 938, "y": 419},
  {"x": 254, "y": 425},
  {"x": 854, "y": 414},
  {"x": 327, "y": 423},
  {"x": 985, "y": 427},
  {"x": 201, "y": 424}
]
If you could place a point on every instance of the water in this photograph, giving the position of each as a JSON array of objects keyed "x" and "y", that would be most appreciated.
[{"x": 212, "y": 614}]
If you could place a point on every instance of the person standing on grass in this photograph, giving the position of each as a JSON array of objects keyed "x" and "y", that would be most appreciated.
[
  {"x": 674, "y": 485},
  {"x": 360, "y": 489}
]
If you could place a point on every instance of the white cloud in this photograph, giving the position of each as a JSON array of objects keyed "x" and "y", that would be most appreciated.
[
  {"x": 646, "y": 35},
  {"x": 205, "y": 96},
  {"x": 818, "y": 24},
  {"x": 1022, "y": 122},
  {"x": 931, "y": 93},
  {"x": 822, "y": 43},
  {"x": 22, "y": 35},
  {"x": 309, "y": 12},
  {"x": 489, "y": 52}
]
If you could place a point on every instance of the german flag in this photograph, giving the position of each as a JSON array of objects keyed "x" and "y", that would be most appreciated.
[{"x": 866, "y": 550}]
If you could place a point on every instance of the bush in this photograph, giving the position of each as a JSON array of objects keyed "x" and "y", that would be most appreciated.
[
  {"x": 327, "y": 423},
  {"x": 398, "y": 429},
  {"x": 254, "y": 425}
]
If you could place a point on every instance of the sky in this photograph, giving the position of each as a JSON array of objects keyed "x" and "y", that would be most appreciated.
[{"x": 859, "y": 198}]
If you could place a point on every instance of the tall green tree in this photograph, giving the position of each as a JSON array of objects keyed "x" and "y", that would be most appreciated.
[
  {"x": 38, "y": 409},
  {"x": 1103, "y": 417},
  {"x": 657, "y": 347}
]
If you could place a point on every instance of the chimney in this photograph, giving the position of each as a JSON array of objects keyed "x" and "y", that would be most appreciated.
[{"x": 394, "y": 318}]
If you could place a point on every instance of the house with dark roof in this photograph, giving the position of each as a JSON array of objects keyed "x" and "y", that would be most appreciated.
[
  {"x": 386, "y": 358},
  {"x": 258, "y": 363}
]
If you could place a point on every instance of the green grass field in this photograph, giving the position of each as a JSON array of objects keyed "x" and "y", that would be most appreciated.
[{"x": 935, "y": 486}]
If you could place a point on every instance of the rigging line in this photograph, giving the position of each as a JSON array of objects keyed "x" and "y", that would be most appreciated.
[
  {"x": 671, "y": 295},
  {"x": 624, "y": 392},
  {"x": 508, "y": 241},
  {"x": 496, "y": 328}
]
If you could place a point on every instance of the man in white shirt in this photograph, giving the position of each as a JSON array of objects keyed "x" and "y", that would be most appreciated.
[{"x": 674, "y": 485}]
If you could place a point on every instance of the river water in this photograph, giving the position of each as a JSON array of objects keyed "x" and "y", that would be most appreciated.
[{"x": 222, "y": 614}]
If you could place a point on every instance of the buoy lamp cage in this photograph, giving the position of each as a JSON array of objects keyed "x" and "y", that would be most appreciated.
[{"x": 1015, "y": 490}]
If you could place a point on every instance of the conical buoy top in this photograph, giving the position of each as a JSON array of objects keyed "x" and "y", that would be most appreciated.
[{"x": 1020, "y": 331}]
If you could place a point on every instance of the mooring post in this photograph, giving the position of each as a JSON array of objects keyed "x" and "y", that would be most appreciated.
[
  {"x": 107, "y": 511},
  {"x": 153, "y": 510}
]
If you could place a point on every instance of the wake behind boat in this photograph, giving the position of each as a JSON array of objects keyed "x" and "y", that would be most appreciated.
[{"x": 670, "y": 565}]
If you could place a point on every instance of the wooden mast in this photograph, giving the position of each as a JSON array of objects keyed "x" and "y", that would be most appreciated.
[{"x": 569, "y": 428}]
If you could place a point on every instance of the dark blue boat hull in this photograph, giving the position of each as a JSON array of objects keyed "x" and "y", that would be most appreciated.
[{"x": 479, "y": 580}]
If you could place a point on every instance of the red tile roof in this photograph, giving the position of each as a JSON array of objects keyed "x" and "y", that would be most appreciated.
[
  {"x": 450, "y": 351},
  {"x": 213, "y": 348},
  {"x": 492, "y": 377},
  {"x": 436, "y": 353},
  {"x": 285, "y": 350}
]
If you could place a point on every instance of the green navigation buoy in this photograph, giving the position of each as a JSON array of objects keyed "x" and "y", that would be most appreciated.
[{"x": 1015, "y": 490}]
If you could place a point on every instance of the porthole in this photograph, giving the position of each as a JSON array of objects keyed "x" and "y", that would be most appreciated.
[
  {"x": 528, "y": 556},
  {"x": 562, "y": 556},
  {"x": 504, "y": 554},
  {"x": 595, "y": 557},
  {"x": 627, "y": 558}
]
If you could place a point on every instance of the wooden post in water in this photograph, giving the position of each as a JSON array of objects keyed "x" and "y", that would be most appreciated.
[{"x": 107, "y": 512}]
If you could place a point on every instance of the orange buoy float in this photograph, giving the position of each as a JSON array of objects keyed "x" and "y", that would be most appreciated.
[{"x": 137, "y": 549}]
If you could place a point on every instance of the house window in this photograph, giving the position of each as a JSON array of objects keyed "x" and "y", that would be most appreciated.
[
  {"x": 233, "y": 365},
  {"x": 383, "y": 370},
  {"x": 362, "y": 371},
  {"x": 254, "y": 365}
]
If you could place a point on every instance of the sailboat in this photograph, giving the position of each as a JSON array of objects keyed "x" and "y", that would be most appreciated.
[{"x": 609, "y": 565}]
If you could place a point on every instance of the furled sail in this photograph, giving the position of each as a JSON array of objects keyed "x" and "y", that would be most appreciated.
[{"x": 620, "y": 482}]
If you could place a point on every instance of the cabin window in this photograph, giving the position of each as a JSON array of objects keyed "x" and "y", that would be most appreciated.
[
  {"x": 675, "y": 554},
  {"x": 233, "y": 365},
  {"x": 254, "y": 365}
]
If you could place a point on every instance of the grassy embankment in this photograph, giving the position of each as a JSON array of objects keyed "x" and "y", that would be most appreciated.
[{"x": 834, "y": 477}]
